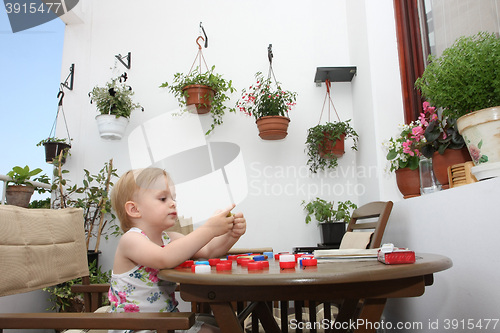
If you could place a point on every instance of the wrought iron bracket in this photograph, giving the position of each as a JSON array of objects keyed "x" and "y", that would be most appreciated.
[
  {"x": 70, "y": 77},
  {"x": 128, "y": 65}
]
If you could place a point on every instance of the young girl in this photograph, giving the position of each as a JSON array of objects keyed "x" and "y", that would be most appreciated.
[{"x": 144, "y": 201}]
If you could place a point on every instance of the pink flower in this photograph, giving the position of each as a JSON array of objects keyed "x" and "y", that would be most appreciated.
[
  {"x": 423, "y": 120},
  {"x": 475, "y": 153},
  {"x": 112, "y": 298},
  {"x": 417, "y": 132},
  {"x": 123, "y": 297},
  {"x": 131, "y": 308},
  {"x": 407, "y": 148}
]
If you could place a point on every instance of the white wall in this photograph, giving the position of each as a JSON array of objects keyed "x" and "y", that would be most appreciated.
[{"x": 461, "y": 223}]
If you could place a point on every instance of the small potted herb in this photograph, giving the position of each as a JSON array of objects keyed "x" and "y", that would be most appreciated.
[
  {"x": 332, "y": 220},
  {"x": 325, "y": 143},
  {"x": 206, "y": 92},
  {"x": 269, "y": 105},
  {"x": 114, "y": 103}
]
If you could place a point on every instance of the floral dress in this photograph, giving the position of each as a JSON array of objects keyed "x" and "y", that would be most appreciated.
[{"x": 140, "y": 290}]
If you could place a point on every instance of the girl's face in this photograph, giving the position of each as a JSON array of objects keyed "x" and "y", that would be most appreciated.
[{"x": 157, "y": 204}]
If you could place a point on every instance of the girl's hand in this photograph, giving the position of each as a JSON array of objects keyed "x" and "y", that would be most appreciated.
[
  {"x": 239, "y": 225},
  {"x": 221, "y": 222}
]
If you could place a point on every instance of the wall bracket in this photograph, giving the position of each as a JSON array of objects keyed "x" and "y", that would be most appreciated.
[
  {"x": 334, "y": 74},
  {"x": 128, "y": 64},
  {"x": 70, "y": 77}
]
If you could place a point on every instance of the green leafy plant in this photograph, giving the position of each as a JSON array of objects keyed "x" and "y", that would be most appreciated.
[
  {"x": 317, "y": 138},
  {"x": 53, "y": 139},
  {"x": 266, "y": 99},
  {"x": 64, "y": 300},
  {"x": 403, "y": 151},
  {"x": 93, "y": 197},
  {"x": 466, "y": 77},
  {"x": 325, "y": 211},
  {"x": 114, "y": 98},
  {"x": 440, "y": 132},
  {"x": 221, "y": 86},
  {"x": 21, "y": 176}
]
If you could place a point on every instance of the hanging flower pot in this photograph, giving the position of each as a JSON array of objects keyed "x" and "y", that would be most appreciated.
[
  {"x": 114, "y": 103},
  {"x": 408, "y": 182},
  {"x": 273, "y": 127},
  {"x": 111, "y": 127},
  {"x": 329, "y": 148},
  {"x": 53, "y": 149},
  {"x": 200, "y": 96}
]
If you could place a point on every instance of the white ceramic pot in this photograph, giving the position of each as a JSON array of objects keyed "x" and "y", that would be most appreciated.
[
  {"x": 481, "y": 132},
  {"x": 110, "y": 127}
]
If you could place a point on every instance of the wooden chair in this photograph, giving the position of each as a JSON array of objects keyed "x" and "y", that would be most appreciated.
[{"x": 45, "y": 247}]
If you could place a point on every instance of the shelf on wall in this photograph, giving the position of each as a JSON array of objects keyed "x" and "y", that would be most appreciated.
[{"x": 335, "y": 74}]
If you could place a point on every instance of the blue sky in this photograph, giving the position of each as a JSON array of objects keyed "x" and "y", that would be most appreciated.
[{"x": 30, "y": 70}]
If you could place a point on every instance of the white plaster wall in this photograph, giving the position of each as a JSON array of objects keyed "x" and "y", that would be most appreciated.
[{"x": 461, "y": 223}]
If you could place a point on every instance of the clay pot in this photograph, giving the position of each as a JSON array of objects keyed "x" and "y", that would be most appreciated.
[
  {"x": 440, "y": 163},
  {"x": 332, "y": 148},
  {"x": 19, "y": 195},
  {"x": 273, "y": 127},
  {"x": 408, "y": 182},
  {"x": 199, "y": 95}
]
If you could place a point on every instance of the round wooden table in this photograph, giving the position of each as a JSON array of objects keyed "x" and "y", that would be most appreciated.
[{"x": 345, "y": 279}]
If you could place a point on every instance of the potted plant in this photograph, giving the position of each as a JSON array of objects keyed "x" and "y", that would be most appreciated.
[
  {"x": 206, "y": 92},
  {"x": 465, "y": 82},
  {"x": 114, "y": 103},
  {"x": 325, "y": 143},
  {"x": 269, "y": 106},
  {"x": 19, "y": 194},
  {"x": 64, "y": 300},
  {"x": 443, "y": 144},
  {"x": 93, "y": 197},
  {"x": 332, "y": 220},
  {"x": 403, "y": 154},
  {"x": 54, "y": 147}
]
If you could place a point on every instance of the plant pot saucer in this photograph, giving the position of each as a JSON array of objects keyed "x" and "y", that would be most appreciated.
[{"x": 486, "y": 170}]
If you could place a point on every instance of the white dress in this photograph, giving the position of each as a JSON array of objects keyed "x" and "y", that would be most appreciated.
[{"x": 140, "y": 290}]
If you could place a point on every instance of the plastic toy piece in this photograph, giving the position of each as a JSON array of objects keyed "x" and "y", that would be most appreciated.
[
  {"x": 255, "y": 266},
  {"x": 213, "y": 262},
  {"x": 224, "y": 266}
]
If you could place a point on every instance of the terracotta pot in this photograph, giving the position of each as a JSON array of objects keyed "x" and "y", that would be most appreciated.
[
  {"x": 440, "y": 163},
  {"x": 330, "y": 147},
  {"x": 19, "y": 195},
  {"x": 200, "y": 96},
  {"x": 408, "y": 182},
  {"x": 273, "y": 127},
  {"x": 53, "y": 149}
]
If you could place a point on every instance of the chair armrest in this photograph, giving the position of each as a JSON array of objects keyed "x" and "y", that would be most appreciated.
[{"x": 161, "y": 322}]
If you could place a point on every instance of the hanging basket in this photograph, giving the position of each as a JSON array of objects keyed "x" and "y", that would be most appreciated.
[
  {"x": 332, "y": 148},
  {"x": 111, "y": 127},
  {"x": 273, "y": 127},
  {"x": 54, "y": 149},
  {"x": 199, "y": 95}
]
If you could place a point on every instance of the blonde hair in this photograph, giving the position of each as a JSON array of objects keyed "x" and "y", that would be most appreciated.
[{"x": 127, "y": 187}]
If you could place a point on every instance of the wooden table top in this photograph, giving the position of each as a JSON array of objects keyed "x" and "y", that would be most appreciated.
[{"x": 345, "y": 271}]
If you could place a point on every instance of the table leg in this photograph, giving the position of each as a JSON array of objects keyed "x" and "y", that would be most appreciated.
[
  {"x": 370, "y": 314},
  {"x": 226, "y": 317}
]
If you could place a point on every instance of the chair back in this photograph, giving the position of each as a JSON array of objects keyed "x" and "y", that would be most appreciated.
[
  {"x": 372, "y": 216},
  {"x": 40, "y": 248}
]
